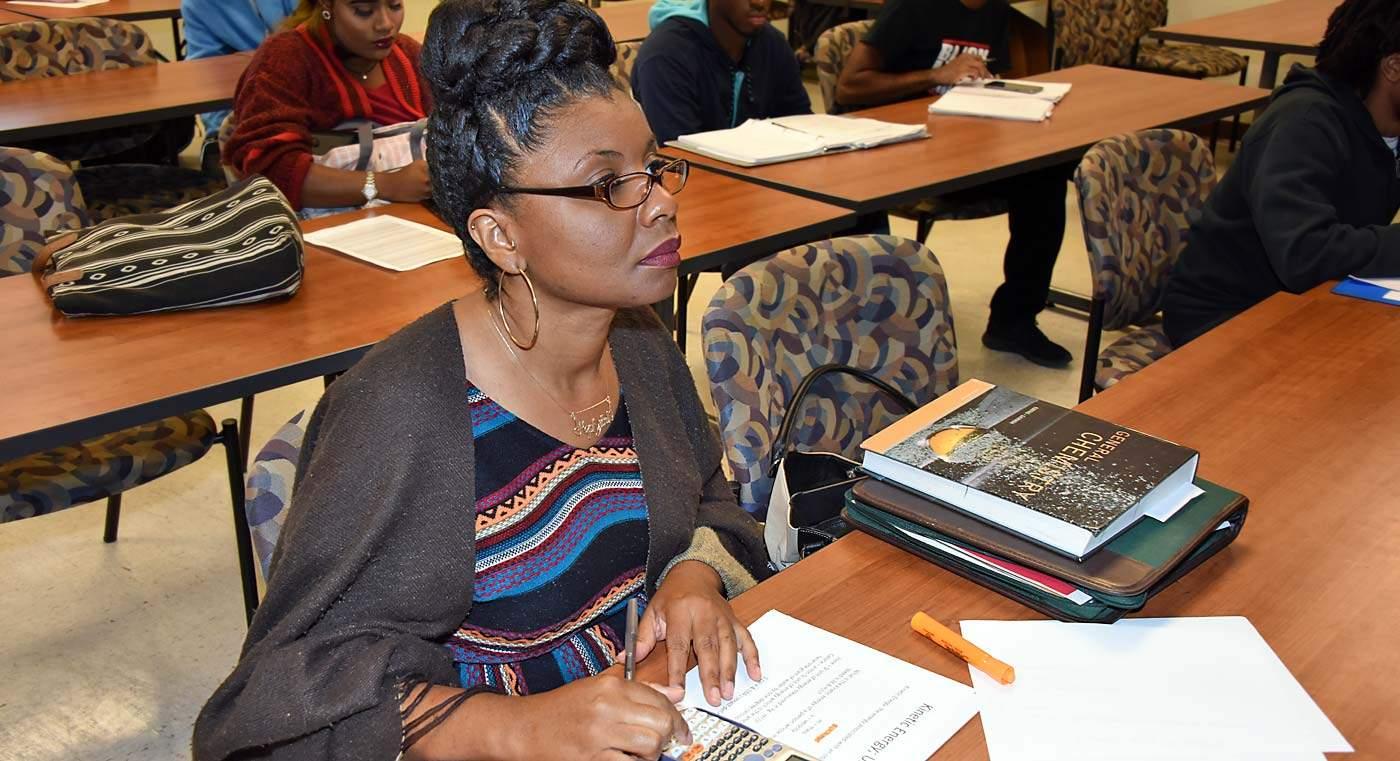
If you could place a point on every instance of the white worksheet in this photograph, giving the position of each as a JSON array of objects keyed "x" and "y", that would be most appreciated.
[
  {"x": 838, "y": 700},
  {"x": 389, "y": 242},
  {"x": 1151, "y": 689}
]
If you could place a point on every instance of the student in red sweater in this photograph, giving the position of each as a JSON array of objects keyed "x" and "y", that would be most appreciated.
[{"x": 337, "y": 60}]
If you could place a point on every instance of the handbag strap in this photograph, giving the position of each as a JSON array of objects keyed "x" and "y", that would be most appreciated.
[
  {"x": 415, "y": 139},
  {"x": 780, "y": 442}
]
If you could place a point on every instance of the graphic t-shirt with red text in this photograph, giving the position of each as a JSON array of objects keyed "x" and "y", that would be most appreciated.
[{"x": 928, "y": 34}]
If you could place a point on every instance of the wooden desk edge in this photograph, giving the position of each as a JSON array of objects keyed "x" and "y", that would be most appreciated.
[{"x": 1166, "y": 34}]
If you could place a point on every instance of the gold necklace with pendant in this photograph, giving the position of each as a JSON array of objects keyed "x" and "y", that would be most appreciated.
[{"x": 585, "y": 426}]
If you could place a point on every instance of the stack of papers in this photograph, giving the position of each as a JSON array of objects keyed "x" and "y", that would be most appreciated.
[
  {"x": 1207, "y": 689},
  {"x": 389, "y": 242},
  {"x": 769, "y": 141},
  {"x": 836, "y": 700},
  {"x": 978, "y": 99}
]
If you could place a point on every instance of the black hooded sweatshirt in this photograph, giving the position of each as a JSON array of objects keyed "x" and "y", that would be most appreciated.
[
  {"x": 686, "y": 83},
  {"x": 1310, "y": 198}
]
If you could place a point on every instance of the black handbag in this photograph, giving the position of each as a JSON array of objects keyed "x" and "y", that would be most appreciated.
[
  {"x": 237, "y": 246},
  {"x": 809, "y": 488}
]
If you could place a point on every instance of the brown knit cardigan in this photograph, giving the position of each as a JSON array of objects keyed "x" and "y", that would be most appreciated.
[
  {"x": 374, "y": 567},
  {"x": 296, "y": 85}
]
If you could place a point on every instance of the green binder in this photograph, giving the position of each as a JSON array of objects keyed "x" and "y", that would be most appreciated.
[{"x": 1120, "y": 577}]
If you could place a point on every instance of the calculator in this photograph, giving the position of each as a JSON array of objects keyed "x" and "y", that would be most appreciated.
[{"x": 714, "y": 738}]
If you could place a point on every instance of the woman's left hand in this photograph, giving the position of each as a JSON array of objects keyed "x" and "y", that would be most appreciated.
[{"x": 689, "y": 612}]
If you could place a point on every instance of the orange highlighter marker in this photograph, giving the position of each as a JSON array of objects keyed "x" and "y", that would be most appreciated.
[{"x": 950, "y": 640}]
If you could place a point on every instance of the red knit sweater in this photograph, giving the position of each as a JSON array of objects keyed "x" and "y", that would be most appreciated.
[{"x": 297, "y": 85}]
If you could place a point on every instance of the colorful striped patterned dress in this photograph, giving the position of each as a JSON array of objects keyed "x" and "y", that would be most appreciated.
[{"x": 561, "y": 544}]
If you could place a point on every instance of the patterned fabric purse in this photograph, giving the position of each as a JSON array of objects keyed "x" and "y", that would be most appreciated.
[
  {"x": 237, "y": 246},
  {"x": 358, "y": 146}
]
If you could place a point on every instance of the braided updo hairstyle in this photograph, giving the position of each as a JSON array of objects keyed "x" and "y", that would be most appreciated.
[{"x": 499, "y": 69}]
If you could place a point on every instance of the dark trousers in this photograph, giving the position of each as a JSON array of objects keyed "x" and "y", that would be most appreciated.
[{"x": 1036, "y": 210}]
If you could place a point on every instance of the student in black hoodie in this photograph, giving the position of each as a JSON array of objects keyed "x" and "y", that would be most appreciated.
[
  {"x": 918, "y": 47},
  {"x": 1314, "y": 189},
  {"x": 711, "y": 64}
]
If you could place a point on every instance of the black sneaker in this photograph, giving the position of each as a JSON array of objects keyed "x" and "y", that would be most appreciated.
[{"x": 1026, "y": 340}]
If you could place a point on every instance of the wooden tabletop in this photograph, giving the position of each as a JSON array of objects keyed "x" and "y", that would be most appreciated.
[
  {"x": 36, "y": 108},
  {"x": 962, "y": 151},
  {"x": 627, "y": 21},
  {"x": 1296, "y": 404},
  {"x": 1289, "y": 26},
  {"x": 10, "y": 17},
  {"x": 128, "y": 10},
  {"x": 87, "y": 376}
]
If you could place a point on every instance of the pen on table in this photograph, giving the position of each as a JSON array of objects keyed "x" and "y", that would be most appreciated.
[
  {"x": 952, "y": 642},
  {"x": 629, "y": 641}
]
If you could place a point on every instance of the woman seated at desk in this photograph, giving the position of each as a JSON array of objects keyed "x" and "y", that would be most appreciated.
[
  {"x": 337, "y": 61},
  {"x": 478, "y": 498}
]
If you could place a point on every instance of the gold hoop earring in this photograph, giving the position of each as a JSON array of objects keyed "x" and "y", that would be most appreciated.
[{"x": 501, "y": 309}]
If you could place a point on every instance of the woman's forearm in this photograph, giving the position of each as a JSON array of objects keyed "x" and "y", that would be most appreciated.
[
  {"x": 477, "y": 730},
  {"x": 325, "y": 187}
]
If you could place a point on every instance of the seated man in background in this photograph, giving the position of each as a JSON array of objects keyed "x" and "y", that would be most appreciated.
[
  {"x": 919, "y": 47},
  {"x": 1313, "y": 192},
  {"x": 711, "y": 64},
  {"x": 221, "y": 27}
]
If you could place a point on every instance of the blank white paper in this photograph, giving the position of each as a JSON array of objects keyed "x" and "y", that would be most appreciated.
[
  {"x": 1145, "y": 689},
  {"x": 389, "y": 242}
]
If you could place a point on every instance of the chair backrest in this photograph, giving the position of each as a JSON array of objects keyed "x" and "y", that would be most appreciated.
[
  {"x": 878, "y": 303},
  {"x": 269, "y": 486},
  {"x": 70, "y": 46},
  {"x": 621, "y": 69},
  {"x": 1151, "y": 14},
  {"x": 1136, "y": 195},
  {"x": 834, "y": 46},
  {"x": 39, "y": 196},
  {"x": 1103, "y": 32}
]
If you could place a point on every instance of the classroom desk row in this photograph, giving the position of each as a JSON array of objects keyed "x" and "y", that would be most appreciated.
[
  {"x": 1296, "y": 404},
  {"x": 724, "y": 219},
  {"x": 85, "y": 377}
]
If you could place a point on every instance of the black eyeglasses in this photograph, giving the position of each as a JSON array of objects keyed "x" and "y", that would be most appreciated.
[{"x": 625, "y": 191}]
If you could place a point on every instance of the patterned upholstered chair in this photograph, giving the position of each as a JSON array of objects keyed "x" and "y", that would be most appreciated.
[
  {"x": 1194, "y": 61},
  {"x": 1135, "y": 194},
  {"x": 39, "y": 49},
  {"x": 115, "y": 188},
  {"x": 621, "y": 69},
  {"x": 1102, "y": 32},
  {"x": 38, "y": 197},
  {"x": 264, "y": 503},
  {"x": 834, "y": 46},
  {"x": 879, "y": 303}
]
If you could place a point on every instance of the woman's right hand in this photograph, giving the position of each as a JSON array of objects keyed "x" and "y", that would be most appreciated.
[
  {"x": 601, "y": 718},
  {"x": 409, "y": 184}
]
